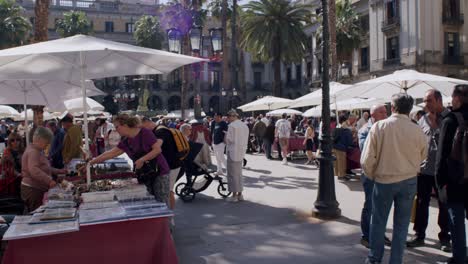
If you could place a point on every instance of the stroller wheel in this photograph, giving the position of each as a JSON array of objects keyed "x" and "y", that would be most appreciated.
[
  {"x": 179, "y": 187},
  {"x": 223, "y": 189},
  {"x": 187, "y": 195}
]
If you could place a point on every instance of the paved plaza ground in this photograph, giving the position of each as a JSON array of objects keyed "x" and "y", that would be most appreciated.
[{"x": 274, "y": 225}]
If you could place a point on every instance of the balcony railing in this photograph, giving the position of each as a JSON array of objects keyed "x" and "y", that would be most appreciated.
[
  {"x": 454, "y": 60},
  {"x": 391, "y": 62},
  {"x": 390, "y": 24},
  {"x": 454, "y": 20}
]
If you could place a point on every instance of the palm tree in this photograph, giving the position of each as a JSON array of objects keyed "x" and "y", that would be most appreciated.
[
  {"x": 41, "y": 12},
  {"x": 73, "y": 23},
  {"x": 14, "y": 28},
  {"x": 148, "y": 32},
  {"x": 348, "y": 30},
  {"x": 273, "y": 30}
]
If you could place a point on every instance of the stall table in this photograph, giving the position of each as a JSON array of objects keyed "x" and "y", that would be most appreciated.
[
  {"x": 130, "y": 241},
  {"x": 296, "y": 146}
]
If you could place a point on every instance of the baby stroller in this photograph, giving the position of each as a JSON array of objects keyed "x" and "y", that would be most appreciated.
[{"x": 198, "y": 177}]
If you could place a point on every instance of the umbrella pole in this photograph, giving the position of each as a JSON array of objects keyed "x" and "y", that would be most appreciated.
[
  {"x": 85, "y": 119},
  {"x": 26, "y": 119}
]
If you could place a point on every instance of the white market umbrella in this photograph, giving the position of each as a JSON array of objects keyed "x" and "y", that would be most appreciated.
[
  {"x": 42, "y": 92},
  {"x": 280, "y": 112},
  {"x": 356, "y": 103},
  {"x": 29, "y": 115},
  {"x": 8, "y": 111},
  {"x": 313, "y": 112},
  {"x": 266, "y": 103},
  {"x": 76, "y": 106},
  {"x": 84, "y": 57},
  {"x": 412, "y": 82},
  {"x": 315, "y": 98}
]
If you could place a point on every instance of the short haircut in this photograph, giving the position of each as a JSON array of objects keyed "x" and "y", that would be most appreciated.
[
  {"x": 185, "y": 127},
  {"x": 461, "y": 91},
  {"x": 125, "y": 119},
  {"x": 375, "y": 107},
  {"x": 284, "y": 115},
  {"x": 43, "y": 133},
  {"x": 437, "y": 94},
  {"x": 67, "y": 119},
  {"x": 343, "y": 118},
  {"x": 402, "y": 103},
  {"x": 52, "y": 124},
  {"x": 218, "y": 114},
  {"x": 232, "y": 112}
]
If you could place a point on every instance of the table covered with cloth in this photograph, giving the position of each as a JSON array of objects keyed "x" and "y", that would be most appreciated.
[
  {"x": 132, "y": 241},
  {"x": 296, "y": 143}
]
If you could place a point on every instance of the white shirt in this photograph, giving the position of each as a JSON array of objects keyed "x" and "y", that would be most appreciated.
[
  {"x": 283, "y": 128},
  {"x": 237, "y": 138},
  {"x": 361, "y": 123}
]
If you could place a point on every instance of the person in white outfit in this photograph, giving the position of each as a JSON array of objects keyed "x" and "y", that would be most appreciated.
[
  {"x": 236, "y": 146},
  {"x": 218, "y": 132}
]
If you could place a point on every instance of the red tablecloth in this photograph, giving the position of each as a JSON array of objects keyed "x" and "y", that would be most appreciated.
[
  {"x": 295, "y": 144},
  {"x": 135, "y": 242}
]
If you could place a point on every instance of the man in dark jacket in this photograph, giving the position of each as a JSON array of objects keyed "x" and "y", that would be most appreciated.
[
  {"x": 259, "y": 129},
  {"x": 449, "y": 172},
  {"x": 218, "y": 131}
]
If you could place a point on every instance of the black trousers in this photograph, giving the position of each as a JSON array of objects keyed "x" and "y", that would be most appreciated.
[{"x": 426, "y": 184}]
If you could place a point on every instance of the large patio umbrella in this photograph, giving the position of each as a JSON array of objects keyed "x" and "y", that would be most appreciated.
[
  {"x": 315, "y": 98},
  {"x": 8, "y": 111},
  {"x": 412, "y": 82},
  {"x": 29, "y": 116},
  {"x": 266, "y": 103},
  {"x": 80, "y": 57},
  {"x": 356, "y": 103},
  {"x": 280, "y": 112}
]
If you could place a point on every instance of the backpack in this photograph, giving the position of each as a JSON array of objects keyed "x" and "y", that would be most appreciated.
[
  {"x": 182, "y": 144},
  {"x": 459, "y": 151}
]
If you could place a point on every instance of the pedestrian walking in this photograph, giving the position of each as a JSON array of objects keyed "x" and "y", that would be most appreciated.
[
  {"x": 282, "y": 133},
  {"x": 259, "y": 129},
  {"x": 236, "y": 146},
  {"x": 451, "y": 171},
  {"x": 393, "y": 152},
  {"x": 218, "y": 132}
]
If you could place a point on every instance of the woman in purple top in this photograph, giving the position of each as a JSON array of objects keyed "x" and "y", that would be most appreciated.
[{"x": 142, "y": 147}]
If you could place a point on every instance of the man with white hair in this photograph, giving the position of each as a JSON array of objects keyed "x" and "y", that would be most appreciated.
[
  {"x": 363, "y": 121},
  {"x": 378, "y": 112},
  {"x": 237, "y": 137}
]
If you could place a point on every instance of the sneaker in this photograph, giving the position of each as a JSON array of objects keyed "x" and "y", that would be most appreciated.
[
  {"x": 240, "y": 198},
  {"x": 387, "y": 241},
  {"x": 415, "y": 242},
  {"x": 365, "y": 242},
  {"x": 317, "y": 163},
  {"x": 446, "y": 246},
  {"x": 285, "y": 161},
  {"x": 232, "y": 199}
]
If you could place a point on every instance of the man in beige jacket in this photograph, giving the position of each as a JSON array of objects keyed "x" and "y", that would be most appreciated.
[{"x": 392, "y": 157}]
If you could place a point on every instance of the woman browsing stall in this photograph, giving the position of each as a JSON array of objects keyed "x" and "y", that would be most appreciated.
[{"x": 144, "y": 149}]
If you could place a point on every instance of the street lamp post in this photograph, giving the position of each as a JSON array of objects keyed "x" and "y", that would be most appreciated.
[
  {"x": 174, "y": 37},
  {"x": 196, "y": 43},
  {"x": 216, "y": 35},
  {"x": 326, "y": 205}
]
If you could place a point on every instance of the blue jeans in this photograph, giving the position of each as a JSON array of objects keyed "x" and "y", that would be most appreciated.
[
  {"x": 457, "y": 230},
  {"x": 384, "y": 195},
  {"x": 366, "y": 213},
  {"x": 267, "y": 144}
]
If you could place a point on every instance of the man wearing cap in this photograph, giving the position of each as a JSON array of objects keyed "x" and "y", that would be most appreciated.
[{"x": 236, "y": 140}]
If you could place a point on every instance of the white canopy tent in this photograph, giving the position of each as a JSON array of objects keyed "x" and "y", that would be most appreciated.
[
  {"x": 413, "y": 82},
  {"x": 76, "y": 106},
  {"x": 350, "y": 104},
  {"x": 46, "y": 115},
  {"x": 266, "y": 103},
  {"x": 80, "y": 57},
  {"x": 315, "y": 98},
  {"x": 280, "y": 112}
]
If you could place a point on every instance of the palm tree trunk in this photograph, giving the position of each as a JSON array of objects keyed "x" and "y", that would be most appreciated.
[
  {"x": 333, "y": 53},
  {"x": 41, "y": 11},
  {"x": 277, "y": 70}
]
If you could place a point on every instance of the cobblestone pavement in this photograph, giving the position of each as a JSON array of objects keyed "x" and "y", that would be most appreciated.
[{"x": 273, "y": 224}]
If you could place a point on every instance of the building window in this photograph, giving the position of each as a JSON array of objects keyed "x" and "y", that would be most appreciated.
[
  {"x": 298, "y": 73},
  {"x": 129, "y": 27},
  {"x": 364, "y": 23},
  {"x": 257, "y": 80},
  {"x": 365, "y": 58},
  {"x": 215, "y": 80},
  {"x": 309, "y": 69},
  {"x": 452, "y": 48},
  {"x": 320, "y": 70},
  {"x": 109, "y": 25},
  {"x": 393, "y": 48},
  {"x": 393, "y": 9},
  {"x": 451, "y": 8},
  {"x": 288, "y": 75}
]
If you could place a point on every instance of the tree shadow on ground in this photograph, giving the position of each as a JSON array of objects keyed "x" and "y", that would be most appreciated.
[
  {"x": 214, "y": 231},
  {"x": 283, "y": 183},
  {"x": 257, "y": 171}
]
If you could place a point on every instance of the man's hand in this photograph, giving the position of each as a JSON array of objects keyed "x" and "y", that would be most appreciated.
[{"x": 139, "y": 163}]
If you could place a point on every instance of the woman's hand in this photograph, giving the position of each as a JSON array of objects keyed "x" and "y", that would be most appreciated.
[{"x": 139, "y": 163}]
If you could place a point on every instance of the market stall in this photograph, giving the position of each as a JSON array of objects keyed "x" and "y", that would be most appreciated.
[{"x": 296, "y": 146}]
